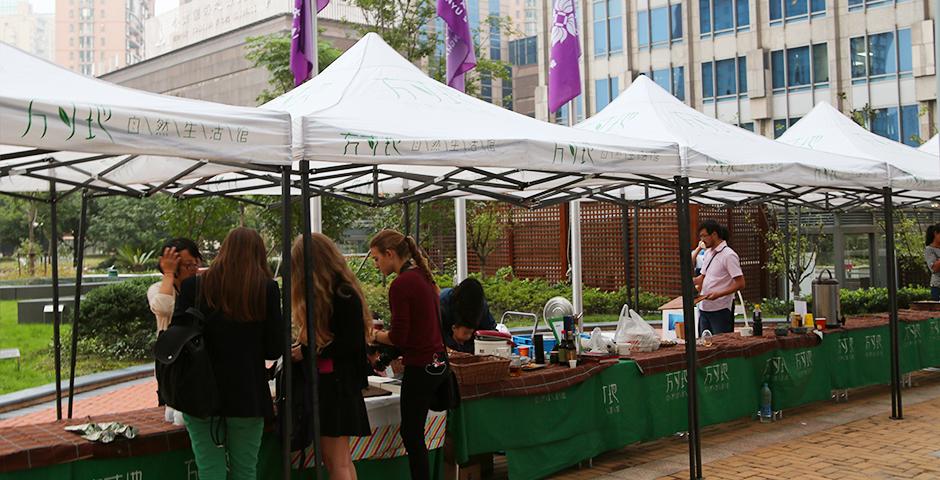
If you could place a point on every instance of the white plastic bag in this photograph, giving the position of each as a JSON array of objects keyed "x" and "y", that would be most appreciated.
[
  {"x": 599, "y": 343},
  {"x": 633, "y": 329}
]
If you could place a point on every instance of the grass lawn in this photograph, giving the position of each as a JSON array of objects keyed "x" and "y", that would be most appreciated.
[{"x": 37, "y": 365}]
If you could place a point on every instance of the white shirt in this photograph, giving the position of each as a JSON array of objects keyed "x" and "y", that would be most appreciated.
[{"x": 161, "y": 305}]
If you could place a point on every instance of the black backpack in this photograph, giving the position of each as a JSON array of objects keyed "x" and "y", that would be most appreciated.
[{"x": 185, "y": 380}]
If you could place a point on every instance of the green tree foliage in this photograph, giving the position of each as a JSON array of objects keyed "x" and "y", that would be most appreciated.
[
  {"x": 403, "y": 24},
  {"x": 793, "y": 250},
  {"x": 485, "y": 225},
  {"x": 115, "y": 222},
  {"x": 272, "y": 52}
]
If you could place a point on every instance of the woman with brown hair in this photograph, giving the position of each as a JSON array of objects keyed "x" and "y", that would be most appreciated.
[
  {"x": 416, "y": 331},
  {"x": 342, "y": 324},
  {"x": 241, "y": 304}
]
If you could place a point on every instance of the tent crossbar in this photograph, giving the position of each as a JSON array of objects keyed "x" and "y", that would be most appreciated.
[
  {"x": 185, "y": 188},
  {"x": 72, "y": 183},
  {"x": 25, "y": 153},
  {"x": 175, "y": 178}
]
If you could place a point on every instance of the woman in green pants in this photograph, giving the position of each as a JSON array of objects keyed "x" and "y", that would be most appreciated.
[{"x": 243, "y": 327}]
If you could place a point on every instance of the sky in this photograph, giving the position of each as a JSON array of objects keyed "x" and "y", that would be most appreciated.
[{"x": 48, "y": 6}]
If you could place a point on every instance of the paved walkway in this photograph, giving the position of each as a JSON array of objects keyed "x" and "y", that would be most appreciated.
[
  {"x": 124, "y": 397},
  {"x": 826, "y": 440}
]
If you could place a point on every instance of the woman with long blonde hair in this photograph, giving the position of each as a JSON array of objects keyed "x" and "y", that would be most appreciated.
[
  {"x": 342, "y": 327},
  {"x": 416, "y": 331},
  {"x": 241, "y": 304}
]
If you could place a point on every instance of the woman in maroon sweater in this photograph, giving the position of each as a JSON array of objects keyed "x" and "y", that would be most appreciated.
[{"x": 416, "y": 331}]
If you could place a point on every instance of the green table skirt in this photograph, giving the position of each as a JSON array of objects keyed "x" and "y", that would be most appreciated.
[{"x": 547, "y": 433}]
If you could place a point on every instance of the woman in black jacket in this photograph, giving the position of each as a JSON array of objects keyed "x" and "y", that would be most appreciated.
[
  {"x": 241, "y": 303},
  {"x": 343, "y": 326}
]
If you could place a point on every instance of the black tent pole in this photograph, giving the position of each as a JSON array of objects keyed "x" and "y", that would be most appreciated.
[
  {"x": 56, "y": 319},
  {"x": 407, "y": 215},
  {"x": 688, "y": 314},
  {"x": 76, "y": 307},
  {"x": 896, "y": 408},
  {"x": 418, "y": 222},
  {"x": 311, "y": 351},
  {"x": 625, "y": 220},
  {"x": 285, "y": 394}
]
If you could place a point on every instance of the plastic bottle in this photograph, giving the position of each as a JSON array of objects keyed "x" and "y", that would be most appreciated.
[
  {"x": 758, "y": 321},
  {"x": 766, "y": 408}
]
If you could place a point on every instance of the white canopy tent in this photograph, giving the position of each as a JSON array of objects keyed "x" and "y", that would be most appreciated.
[{"x": 931, "y": 146}]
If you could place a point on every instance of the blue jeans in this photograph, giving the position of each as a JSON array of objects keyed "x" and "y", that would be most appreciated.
[
  {"x": 719, "y": 321},
  {"x": 935, "y": 294}
]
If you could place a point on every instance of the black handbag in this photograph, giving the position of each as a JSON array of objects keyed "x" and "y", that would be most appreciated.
[
  {"x": 447, "y": 395},
  {"x": 185, "y": 379}
]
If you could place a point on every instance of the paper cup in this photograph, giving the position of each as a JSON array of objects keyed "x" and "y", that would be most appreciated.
[{"x": 573, "y": 363}]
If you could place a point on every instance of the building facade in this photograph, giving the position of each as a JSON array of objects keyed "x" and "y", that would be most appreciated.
[
  {"x": 761, "y": 64},
  {"x": 25, "y": 29},
  {"x": 94, "y": 37}
]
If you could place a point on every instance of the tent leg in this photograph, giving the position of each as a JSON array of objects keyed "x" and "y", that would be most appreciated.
[
  {"x": 628, "y": 285},
  {"x": 577, "y": 281},
  {"x": 460, "y": 217},
  {"x": 896, "y": 407},
  {"x": 636, "y": 256},
  {"x": 407, "y": 216},
  {"x": 285, "y": 395},
  {"x": 418, "y": 223},
  {"x": 56, "y": 318},
  {"x": 310, "y": 352},
  {"x": 688, "y": 311},
  {"x": 79, "y": 266}
]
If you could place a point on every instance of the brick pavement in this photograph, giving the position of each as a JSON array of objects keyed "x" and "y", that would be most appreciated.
[{"x": 136, "y": 396}]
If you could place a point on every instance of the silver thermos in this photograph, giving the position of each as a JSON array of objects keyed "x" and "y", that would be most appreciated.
[{"x": 826, "y": 302}]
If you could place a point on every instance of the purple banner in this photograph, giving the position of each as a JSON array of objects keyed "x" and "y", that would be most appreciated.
[
  {"x": 458, "y": 41},
  {"x": 564, "y": 71},
  {"x": 303, "y": 47}
]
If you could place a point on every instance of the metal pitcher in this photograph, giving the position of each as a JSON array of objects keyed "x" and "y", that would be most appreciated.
[{"x": 826, "y": 302}]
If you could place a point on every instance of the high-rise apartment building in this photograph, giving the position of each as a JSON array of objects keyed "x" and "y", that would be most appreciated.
[
  {"x": 94, "y": 37},
  {"x": 25, "y": 29},
  {"x": 761, "y": 64}
]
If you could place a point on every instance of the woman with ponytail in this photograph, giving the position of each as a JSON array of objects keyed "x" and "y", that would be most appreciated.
[{"x": 416, "y": 331}]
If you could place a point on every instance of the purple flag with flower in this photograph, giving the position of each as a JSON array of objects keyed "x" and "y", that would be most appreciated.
[
  {"x": 458, "y": 42},
  {"x": 564, "y": 71},
  {"x": 303, "y": 46}
]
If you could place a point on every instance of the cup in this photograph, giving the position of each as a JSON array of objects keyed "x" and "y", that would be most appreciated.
[
  {"x": 808, "y": 320},
  {"x": 573, "y": 363},
  {"x": 820, "y": 324},
  {"x": 523, "y": 350},
  {"x": 680, "y": 330}
]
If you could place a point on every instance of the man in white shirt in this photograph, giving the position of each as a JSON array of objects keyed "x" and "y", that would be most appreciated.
[{"x": 720, "y": 279}]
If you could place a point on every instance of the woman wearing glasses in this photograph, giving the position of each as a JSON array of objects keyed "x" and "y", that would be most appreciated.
[{"x": 180, "y": 260}]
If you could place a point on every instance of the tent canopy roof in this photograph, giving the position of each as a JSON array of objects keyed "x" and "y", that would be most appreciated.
[
  {"x": 931, "y": 146},
  {"x": 48, "y": 107}
]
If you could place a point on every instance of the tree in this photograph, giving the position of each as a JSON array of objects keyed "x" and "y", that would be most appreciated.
[
  {"x": 794, "y": 248},
  {"x": 403, "y": 24},
  {"x": 115, "y": 222},
  {"x": 205, "y": 220},
  {"x": 484, "y": 230},
  {"x": 272, "y": 52}
]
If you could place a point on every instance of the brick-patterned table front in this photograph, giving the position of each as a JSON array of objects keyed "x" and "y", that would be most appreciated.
[
  {"x": 538, "y": 382},
  {"x": 34, "y": 446}
]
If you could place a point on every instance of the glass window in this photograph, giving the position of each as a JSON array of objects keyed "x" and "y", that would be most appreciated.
[
  {"x": 659, "y": 25},
  {"x": 708, "y": 84},
  {"x": 776, "y": 10},
  {"x": 600, "y": 28},
  {"x": 780, "y": 126},
  {"x": 675, "y": 18},
  {"x": 663, "y": 78},
  {"x": 910, "y": 125},
  {"x": 904, "y": 51},
  {"x": 678, "y": 82},
  {"x": 704, "y": 16},
  {"x": 615, "y": 25},
  {"x": 744, "y": 16},
  {"x": 798, "y": 73},
  {"x": 749, "y": 126},
  {"x": 818, "y": 6},
  {"x": 881, "y": 54},
  {"x": 643, "y": 28},
  {"x": 725, "y": 78},
  {"x": 884, "y": 122},
  {"x": 601, "y": 94},
  {"x": 486, "y": 87},
  {"x": 614, "y": 88},
  {"x": 859, "y": 54},
  {"x": 742, "y": 75},
  {"x": 795, "y": 8},
  {"x": 777, "y": 69},
  {"x": 724, "y": 15},
  {"x": 820, "y": 63}
]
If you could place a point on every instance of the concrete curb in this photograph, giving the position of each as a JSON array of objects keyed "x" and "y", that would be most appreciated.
[{"x": 44, "y": 393}]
